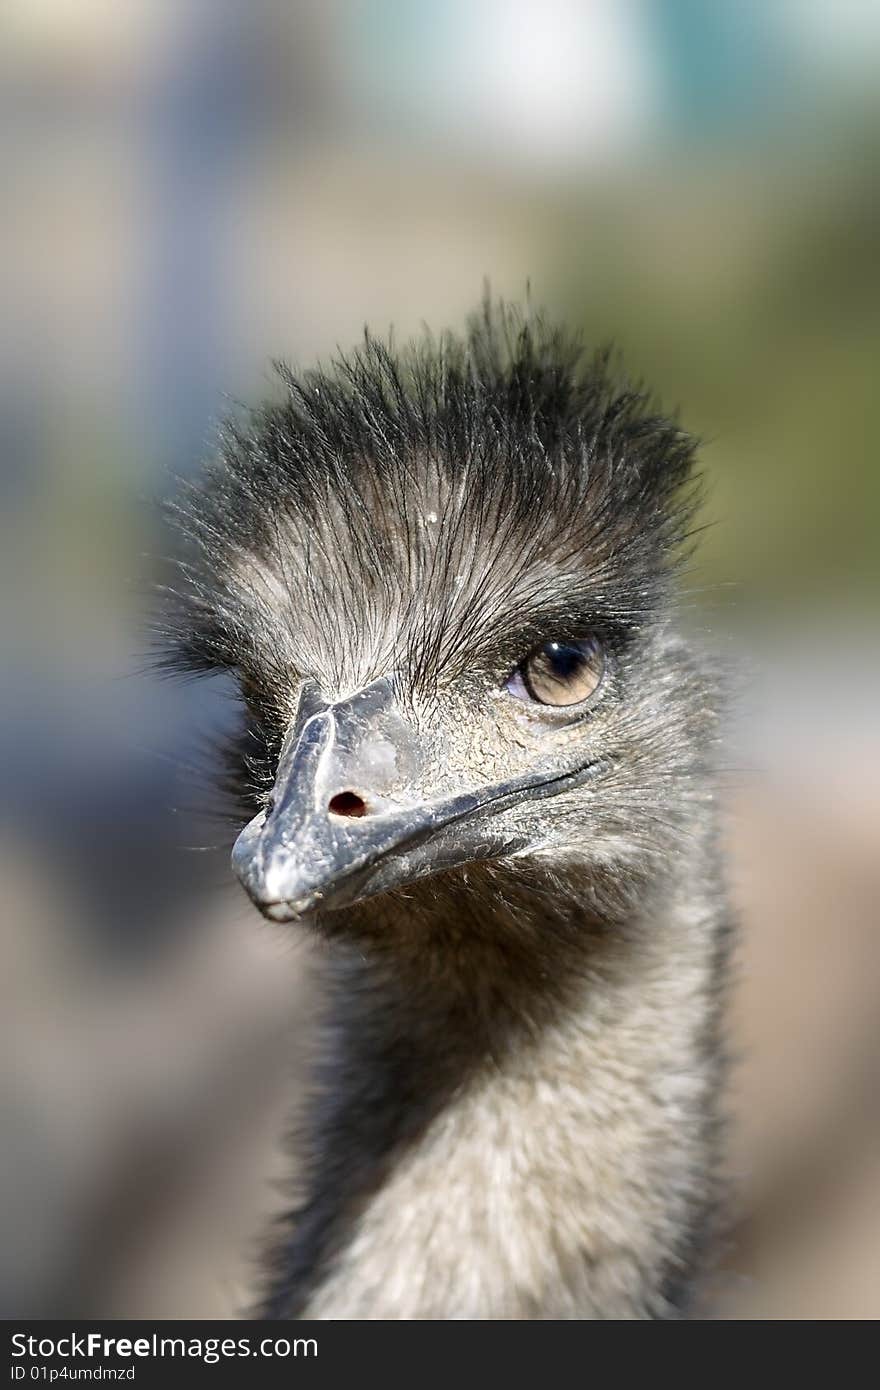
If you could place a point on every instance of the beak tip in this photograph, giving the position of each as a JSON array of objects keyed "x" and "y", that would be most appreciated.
[
  {"x": 287, "y": 911},
  {"x": 278, "y": 912},
  {"x": 272, "y": 903}
]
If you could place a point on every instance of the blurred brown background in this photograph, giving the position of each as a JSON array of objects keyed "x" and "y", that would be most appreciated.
[{"x": 194, "y": 186}]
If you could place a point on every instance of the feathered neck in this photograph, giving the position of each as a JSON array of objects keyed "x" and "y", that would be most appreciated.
[{"x": 502, "y": 1131}]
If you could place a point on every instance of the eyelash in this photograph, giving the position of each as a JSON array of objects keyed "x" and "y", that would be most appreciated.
[{"x": 614, "y": 637}]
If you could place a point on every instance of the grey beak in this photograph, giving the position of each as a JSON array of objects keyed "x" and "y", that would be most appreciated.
[
  {"x": 350, "y": 813},
  {"x": 341, "y": 800}
]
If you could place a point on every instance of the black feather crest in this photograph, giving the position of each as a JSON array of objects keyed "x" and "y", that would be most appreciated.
[{"x": 396, "y": 507}]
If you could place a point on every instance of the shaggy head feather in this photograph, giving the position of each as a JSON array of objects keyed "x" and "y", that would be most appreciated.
[{"x": 434, "y": 514}]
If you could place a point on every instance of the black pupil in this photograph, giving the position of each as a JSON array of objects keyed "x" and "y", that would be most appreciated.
[{"x": 564, "y": 659}]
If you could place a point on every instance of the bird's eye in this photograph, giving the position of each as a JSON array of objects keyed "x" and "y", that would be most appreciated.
[{"x": 559, "y": 673}]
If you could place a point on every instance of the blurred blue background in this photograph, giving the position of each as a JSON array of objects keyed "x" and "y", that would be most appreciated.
[{"x": 192, "y": 187}]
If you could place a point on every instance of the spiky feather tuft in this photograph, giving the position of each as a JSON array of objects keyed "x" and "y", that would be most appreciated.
[{"x": 492, "y": 483}]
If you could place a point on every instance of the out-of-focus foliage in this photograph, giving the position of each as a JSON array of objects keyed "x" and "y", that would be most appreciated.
[{"x": 758, "y": 287}]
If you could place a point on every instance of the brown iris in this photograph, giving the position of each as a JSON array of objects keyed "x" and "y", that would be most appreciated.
[{"x": 559, "y": 673}]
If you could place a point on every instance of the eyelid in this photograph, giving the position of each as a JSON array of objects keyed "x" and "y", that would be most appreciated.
[{"x": 515, "y": 685}]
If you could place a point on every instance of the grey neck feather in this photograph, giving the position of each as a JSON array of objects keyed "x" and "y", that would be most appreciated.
[{"x": 516, "y": 1103}]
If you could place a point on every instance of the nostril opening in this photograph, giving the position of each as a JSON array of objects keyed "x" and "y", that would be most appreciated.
[{"x": 348, "y": 804}]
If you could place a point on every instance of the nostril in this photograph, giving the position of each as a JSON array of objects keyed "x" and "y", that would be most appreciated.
[{"x": 348, "y": 804}]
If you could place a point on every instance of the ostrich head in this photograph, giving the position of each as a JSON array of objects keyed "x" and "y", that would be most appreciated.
[{"x": 444, "y": 579}]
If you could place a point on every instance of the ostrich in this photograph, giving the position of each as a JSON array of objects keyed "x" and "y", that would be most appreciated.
[{"x": 477, "y": 759}]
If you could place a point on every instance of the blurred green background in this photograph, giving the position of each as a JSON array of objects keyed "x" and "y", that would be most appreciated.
[{"x": 193, "y": 187}]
